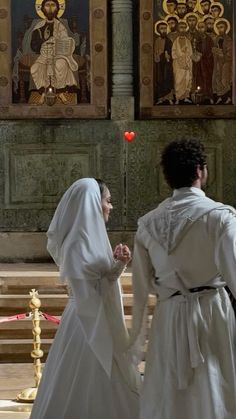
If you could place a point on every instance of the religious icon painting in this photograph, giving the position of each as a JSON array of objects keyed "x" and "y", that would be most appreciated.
[
  {"x": 187, "y": 61},
  {"x": 54, "y": 55}
]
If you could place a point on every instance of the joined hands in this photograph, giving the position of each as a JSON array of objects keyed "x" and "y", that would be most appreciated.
[{"x": 122, "y": 253}]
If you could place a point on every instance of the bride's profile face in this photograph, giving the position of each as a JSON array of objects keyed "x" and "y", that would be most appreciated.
[{"x": 106, "y": 204}]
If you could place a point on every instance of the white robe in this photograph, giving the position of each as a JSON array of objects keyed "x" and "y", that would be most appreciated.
[
  {"x": 187, "y": 242},
  {"x": 51, "y": 66},
  {"x": 88, "y": 374},
  {"x": 182, "y": 67}
]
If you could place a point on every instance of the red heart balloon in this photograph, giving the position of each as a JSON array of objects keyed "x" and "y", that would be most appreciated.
[{"x": 129, "y": 136}]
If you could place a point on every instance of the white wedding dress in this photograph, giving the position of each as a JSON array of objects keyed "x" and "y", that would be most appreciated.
[{"x": 88, "y": 374}]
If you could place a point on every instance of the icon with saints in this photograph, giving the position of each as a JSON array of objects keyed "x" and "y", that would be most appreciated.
[
  {"x": 193, "y": 52},
  {"x": 51, "y": 59}
]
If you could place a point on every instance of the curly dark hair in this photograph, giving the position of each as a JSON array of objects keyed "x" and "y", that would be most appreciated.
[{"x": 180, "y": 160}]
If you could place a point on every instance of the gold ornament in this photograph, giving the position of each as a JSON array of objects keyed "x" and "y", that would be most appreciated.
[
  {"x": 165, "y": 8},
  {"x": 38, "y": 9},
  {"x": 220, "y": 5},
  {"x": 221, "y": 19},
  {"x": 29, "y": 394},
  {"x": 191, "y": 14},
  {"x": 200, "y": 7}
]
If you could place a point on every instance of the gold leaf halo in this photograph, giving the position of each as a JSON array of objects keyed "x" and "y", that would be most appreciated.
[
  {"x": 164, "y": 6},
  {"x": 196, "y": 8},
  {"x": 191, "y": 14},
  {"x": 38, "y": 9},
  {"x": 205, "y": 17},
  {"x": 200, "y": 7},
  {"x": 222, "y": 19},
  {"x": 220, "y": 5},
  {"x": 158, "y": 23},
  {"x": 171, "y": 17}
]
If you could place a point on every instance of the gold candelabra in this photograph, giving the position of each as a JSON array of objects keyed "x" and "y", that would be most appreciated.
[{"x": 29, "y": 394}]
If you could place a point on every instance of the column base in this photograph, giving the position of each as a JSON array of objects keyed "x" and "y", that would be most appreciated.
[{"x": 122, "y": 107}]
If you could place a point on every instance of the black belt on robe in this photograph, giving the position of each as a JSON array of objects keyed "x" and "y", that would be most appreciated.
[
  {"x": 199, "y": 289},
  {"x": 196, "y": 289}
]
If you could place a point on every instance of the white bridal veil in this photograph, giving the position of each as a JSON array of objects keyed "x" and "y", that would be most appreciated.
[
  {"x": 78, "y": 243},
  {"x": 77, "y": 237}
]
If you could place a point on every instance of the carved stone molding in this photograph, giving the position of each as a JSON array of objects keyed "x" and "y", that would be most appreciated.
[
  {"x": 33, "y": 176},
  {"x": 147, "y": 15},
  {"x": 3, "y": 13},
  {"x": 146, "y": 48},
  {"x": 3, "y": 46},
  {"x": 122, "y": 108},
  {"x": 33, "y": 111},
  {"x": 4, "y": 109},
  {"x": 99, "y": 81},
  {"x": 146, "y": 81},
  {"x": 98, "y": 13},
  {"x": 69, "y": 111},
  {"x": 98, "y": 47},
  {"x": 3, "y": 81},
  {"x": 34, "y": 179}
]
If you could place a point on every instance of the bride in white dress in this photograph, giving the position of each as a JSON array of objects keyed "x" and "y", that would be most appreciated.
[{"x": 88, "y": 374}]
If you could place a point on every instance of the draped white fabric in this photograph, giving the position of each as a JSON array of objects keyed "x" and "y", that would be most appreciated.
[
  {"x": 77, "y": 238},
  {"x": 187, "y": 242},
  {"x": 93, "y": 323},
  {"x": 48, "y": 64}
]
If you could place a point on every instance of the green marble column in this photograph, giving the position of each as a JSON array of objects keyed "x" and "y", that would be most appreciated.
[{"x": 122, "y": 101}]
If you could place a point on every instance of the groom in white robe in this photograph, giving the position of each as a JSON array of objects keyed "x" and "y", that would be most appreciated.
[{"x": 185, "y": 254}]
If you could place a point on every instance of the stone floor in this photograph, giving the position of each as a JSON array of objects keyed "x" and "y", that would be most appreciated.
[
  {"x": 16, "y": 377},
  {"x": 12, "y": 410},
  {"x": 13, "y": 379}
]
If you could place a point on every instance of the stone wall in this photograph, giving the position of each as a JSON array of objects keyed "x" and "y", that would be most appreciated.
[{"x": 40, "y": 159}]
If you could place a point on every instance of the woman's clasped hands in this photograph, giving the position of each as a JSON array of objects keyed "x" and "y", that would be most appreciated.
[{"x": 122, "y": 253}]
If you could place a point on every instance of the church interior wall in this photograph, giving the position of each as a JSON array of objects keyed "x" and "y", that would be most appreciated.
[{"x": 40, "y": 158}]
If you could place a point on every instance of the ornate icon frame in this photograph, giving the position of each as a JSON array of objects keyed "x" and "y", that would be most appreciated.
[
  {"x": 147, "y": 109},
  {"x": 98, "y": 106}
]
